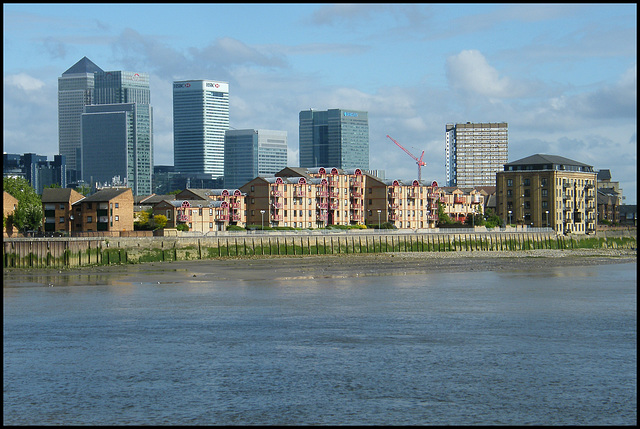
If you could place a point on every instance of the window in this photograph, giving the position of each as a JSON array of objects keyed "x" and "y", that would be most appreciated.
[
  {"x": 509, "y": 182},
  {"x": 89, "y": 219},
  {"x": 117, "y": 218},
  {"x": 62, "y": 220},
  {"x": 544, "y": 193},
  {"x": 526, "y": 182},
  {"x": 61, "y": 206},
  {"x": 117, "y": 205}
]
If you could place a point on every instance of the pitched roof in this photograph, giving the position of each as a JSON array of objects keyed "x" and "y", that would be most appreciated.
[
  {"x": 604, "y": 175},
  {"x": 547, "y": 159},
  {"x": 84, "y": 66},
  {"x": 60, "y": 195},
  {"x": 106, "y": 194}
]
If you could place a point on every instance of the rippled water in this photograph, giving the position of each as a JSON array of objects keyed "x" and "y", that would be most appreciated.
[{"x": 552, "y": 347}]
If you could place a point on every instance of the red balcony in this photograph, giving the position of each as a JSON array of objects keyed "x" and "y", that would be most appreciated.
[
  {"x": 459, "y": 200},
  {"x": 276, "y": 193},
  {"x": 222, "y": 217},
  {"x": 356, "y": 193},
  {"x": 322, "y": 193},
  {"x": 299, "y": 193},
  {"x": 276, "y": 217}
]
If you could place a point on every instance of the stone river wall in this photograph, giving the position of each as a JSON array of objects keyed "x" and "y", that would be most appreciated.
[{"x": 87, "y": 251}]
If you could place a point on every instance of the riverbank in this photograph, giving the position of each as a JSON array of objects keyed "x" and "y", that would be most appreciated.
[{"x": 319, "y": 266}]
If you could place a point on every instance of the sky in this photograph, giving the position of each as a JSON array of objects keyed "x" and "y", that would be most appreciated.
[{"x": 563, "y": 76}]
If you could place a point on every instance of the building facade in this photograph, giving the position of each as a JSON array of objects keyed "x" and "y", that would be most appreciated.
[
  {"x": 548, "y": 191},
  {"x": 36, "y": 169},
  {"x": 106, "y": 210},
  {"x": 474, "y": 152},
  {"x": 57, "y": 207},
  {"x": 75, "y": 90},
  {"x": 334, "y": 137},
  {"x": 119, "y": 127},
  {"x": 251, "y": 153},
  {"x": 200, "y": 119}
]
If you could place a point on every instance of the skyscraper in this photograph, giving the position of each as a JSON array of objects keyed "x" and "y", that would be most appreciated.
[
  {"x": 200, "y": 119},
  {"x": 334, "y": 138},
  {"x": 117, "y": 131},
  {"x": 252, "y": 153},
  {"x": 474, "y": 152},
  {"x": 75, "y": 90}
]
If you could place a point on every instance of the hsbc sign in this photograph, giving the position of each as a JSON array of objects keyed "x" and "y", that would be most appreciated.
[{"x": 201, "y": 85}]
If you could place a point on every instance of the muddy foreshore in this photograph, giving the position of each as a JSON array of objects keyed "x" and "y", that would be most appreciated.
[{"x": 319, "y": 266}]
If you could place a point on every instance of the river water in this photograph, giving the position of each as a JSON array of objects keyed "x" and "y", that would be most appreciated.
[{"x": 547, "y": 347}]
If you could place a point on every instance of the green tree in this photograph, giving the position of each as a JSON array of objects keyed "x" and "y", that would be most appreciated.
[
  {"x": 28, "y": 215},
  {"x": 492, "y": 219},
  {"x": 443, "y": 218},
  {"x": 158, "y": 221}
]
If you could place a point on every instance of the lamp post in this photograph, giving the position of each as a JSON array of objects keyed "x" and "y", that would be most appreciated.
[
  {"x": 547, "y": 212},
  {"x": 262, "y": 216},
  {"x": 509, "y": 217},
  {"x": 379, "y": 218}
]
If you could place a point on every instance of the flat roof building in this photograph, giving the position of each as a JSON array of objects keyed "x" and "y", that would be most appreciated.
[
  {"x": 335, "y": 137},
  {"x": 200, "y": 119},
  {"x": 251, "y": 153},
  {"x": 474, "y": 152}
]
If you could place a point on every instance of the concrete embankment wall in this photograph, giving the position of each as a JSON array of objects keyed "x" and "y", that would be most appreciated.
[{"x": 71, "y": 252}]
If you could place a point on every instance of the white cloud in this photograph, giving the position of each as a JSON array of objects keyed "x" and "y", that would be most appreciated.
[
  {"x": 469, "y": 71},
  {"x": 24, "y": 82}
]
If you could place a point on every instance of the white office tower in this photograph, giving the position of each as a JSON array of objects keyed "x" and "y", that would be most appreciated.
[
  {"x": 200, "y": 119},
  {"x": 474, "y": 152}
]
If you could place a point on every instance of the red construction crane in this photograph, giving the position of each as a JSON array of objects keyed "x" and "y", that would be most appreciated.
[{"x": 420, "y": 162}]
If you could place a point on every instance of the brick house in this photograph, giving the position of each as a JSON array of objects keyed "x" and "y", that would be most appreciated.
[
  {"x": 57, "y": 207},
  {"x": 109, "y": 209},
  {"x": 9, "y": 205}
]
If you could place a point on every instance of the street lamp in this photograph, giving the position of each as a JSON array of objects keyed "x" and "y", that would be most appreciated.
[
  {"x": 262, "y": 216},
  {"x": 510, "y": 217},
  {"x": 547, "y": 212},
  {"x": 379, "y": 218}
]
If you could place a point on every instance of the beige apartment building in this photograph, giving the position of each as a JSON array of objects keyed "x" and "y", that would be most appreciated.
[{"x": 548, "y": 191}]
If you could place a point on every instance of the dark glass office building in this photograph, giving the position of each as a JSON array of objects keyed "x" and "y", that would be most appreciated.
[{"x": 334, "y": 138}]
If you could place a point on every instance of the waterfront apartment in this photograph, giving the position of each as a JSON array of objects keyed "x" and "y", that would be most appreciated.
[
  {"x": 459, "y": 203},
  {"x": 57, "y": 206},
  {"x": 199, "y": 215},
  {"x": 235, "y": 200},
  {"x": 108, "y": 210},
  {"x": 548, "y": 191}
]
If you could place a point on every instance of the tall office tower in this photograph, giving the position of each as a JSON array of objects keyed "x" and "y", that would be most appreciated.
[
  {"x": 200, "y": 119},
  {"x": 253, "y": 153},
  {"x": 117, "y": 132},
  {"x": 474, "y": 152},
  {"x": 334, "y": 138},
  {"x": 75, "y": 90}
]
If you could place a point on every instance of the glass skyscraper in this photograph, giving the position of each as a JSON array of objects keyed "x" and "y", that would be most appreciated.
[
  {"x": 334, "y": 138},
  {"x": 75, "y": 90},
  {"x": 200, "y": 119},
  {"x": 117, "y": 131},
  {"x": 252, "y": 153}
]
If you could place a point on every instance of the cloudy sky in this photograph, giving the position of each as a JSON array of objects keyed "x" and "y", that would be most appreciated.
[{"x": 562, "y": 76}]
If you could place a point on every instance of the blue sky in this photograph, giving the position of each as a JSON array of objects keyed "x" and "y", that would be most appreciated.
[{"x": 562, "y": 76}]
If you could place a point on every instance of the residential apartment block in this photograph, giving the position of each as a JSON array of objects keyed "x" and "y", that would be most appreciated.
[
  {"x": 106, "y": 210},
  {"x": 548, "y": 190},
  {"x": 204, "y": 210},
  {"x": 57, "y": 206},
  {"x": 474, "y": 152}
]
